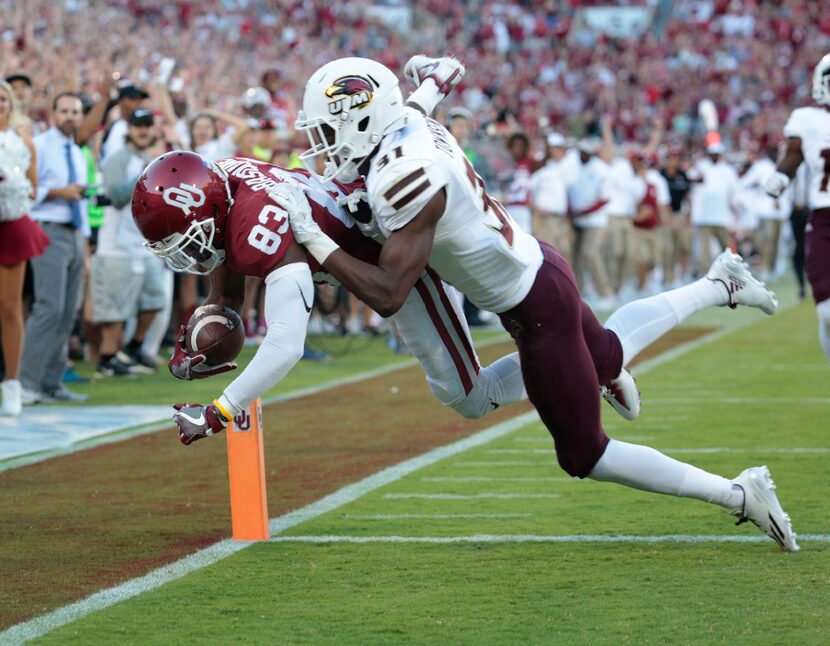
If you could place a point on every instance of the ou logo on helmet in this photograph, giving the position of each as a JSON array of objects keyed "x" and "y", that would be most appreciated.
[{"x": 184, "y": 196}]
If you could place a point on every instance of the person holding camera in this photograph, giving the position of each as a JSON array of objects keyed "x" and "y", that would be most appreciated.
[
  {"x": 61, "y": 209},
  {"x": 125, "y": 279}
]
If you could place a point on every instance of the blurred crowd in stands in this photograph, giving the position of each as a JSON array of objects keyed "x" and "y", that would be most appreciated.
[{"x": 592, "y": 140}]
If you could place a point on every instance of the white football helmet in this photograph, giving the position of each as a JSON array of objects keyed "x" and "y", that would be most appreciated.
[
  {"x": 821, "y": 81},
  {"x": 348, "y": 106}
]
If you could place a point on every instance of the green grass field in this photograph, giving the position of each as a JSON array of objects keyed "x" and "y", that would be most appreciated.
[{"x": 494, "y": 544}]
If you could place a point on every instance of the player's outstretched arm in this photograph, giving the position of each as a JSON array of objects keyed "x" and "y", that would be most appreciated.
[
  {"x": 435, "y": 78},
  {"x": 226, "y": 288},
  {"x": 289, "y": 293},
  {"x": 384, "y": 286},
  {"x": 777, "y": 183}
]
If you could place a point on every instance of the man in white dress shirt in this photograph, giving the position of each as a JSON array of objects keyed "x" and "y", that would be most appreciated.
[{"x": 61, "y": 210}]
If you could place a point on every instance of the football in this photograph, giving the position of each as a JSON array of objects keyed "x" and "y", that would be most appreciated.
[{"x": 215, "y": 331}]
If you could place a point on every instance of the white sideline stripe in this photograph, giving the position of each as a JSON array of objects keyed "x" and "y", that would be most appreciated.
[
  {"x": 208, "y": 556},
  {"x": 520, "y": 451},
  {"x": 429, "y": 516},
  {"x": 711, "y": 449},
  {"x": 493, "y": 479},
  {"x": 474, "y": 496},
  {"x": 153, "y": 427},
  {"x": 534, "y": 538},
  {"x": 503, "y": 463},
  {"x": 720, "y": 399},
  {"x": 728, "y": 449}
]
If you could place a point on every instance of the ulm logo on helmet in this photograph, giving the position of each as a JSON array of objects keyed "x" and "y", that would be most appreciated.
[
  {"x": 349, "y": 92},
  {"x": 185, "y": 197}
]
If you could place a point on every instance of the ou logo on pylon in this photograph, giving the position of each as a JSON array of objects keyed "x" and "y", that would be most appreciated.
[{"x": 184, "y": 196}]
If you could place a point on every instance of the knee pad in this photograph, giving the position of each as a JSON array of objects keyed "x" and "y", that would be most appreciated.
[{"x": 475, "y": 405}]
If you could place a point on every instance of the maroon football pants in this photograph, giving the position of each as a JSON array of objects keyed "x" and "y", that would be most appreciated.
[
  {"x": 566, "y": 354},
  {"x": 817, "y": 254}
]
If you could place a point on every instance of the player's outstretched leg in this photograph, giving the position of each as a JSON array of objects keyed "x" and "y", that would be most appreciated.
[
  {"x": 750, "y": 496},
  {"x": 728, "y": 282}
]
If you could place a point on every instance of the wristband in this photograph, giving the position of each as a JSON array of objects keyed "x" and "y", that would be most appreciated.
[
  {"x": 224, "y": 406},
  {"x": 321, "y": 247},
  {"x": 426, "y": 96}
]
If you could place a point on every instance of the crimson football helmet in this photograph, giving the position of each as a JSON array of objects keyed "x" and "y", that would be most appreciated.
[{"x": 180, "y": 204}]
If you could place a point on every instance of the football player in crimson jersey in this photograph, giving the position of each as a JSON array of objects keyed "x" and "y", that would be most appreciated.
[
  {"x": 808, "y": 141},
  {"x": 433, "y": 210},
  {"x": 217, "y": 218}
]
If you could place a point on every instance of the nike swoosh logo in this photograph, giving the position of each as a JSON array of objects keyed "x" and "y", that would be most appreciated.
[
  {"x": 305, "y": 302},
  {"x": 199, "y": 420}
]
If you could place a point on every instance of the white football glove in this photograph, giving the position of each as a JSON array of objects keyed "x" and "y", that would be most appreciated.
[
  {"x": 435, "y": 78},
  {"x": 351, "y": 202},
  {"x": 292, "y": 197},
  {"x": 776, "y": 184}
]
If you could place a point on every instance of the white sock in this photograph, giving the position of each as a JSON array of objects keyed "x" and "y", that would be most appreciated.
[
  {"x": 645, "y": 468},
  {"x": 823, "y": 311},
  {"x": 640, "y": 323}
]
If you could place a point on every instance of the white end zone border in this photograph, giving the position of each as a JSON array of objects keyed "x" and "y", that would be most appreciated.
[{"x": 44, "y": 624}]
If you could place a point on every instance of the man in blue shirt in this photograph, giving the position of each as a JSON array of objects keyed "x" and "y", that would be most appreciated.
[{"x": 58, "y": 274}]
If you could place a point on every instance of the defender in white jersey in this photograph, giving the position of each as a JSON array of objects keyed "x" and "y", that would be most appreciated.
[
  {"x": 231, "y": 229},
  {"x": 435, "y": 212},
  {"x": 808, "y": 141}
]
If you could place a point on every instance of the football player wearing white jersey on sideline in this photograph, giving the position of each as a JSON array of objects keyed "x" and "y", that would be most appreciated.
[
  {"x": 808, "y": 141},
  {"x": 432, "y": 209}
]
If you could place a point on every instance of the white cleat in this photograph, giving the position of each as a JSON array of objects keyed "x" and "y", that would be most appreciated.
[
  {"x": 742, "y": 287},
  {"x": 623, "y": 395},
  {"x": 761, "y": 506}
]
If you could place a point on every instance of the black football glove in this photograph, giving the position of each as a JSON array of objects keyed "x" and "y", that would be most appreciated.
[{"x": 196, "y": 421}]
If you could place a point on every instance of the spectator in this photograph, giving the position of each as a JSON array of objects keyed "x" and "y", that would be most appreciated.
[
  {"x": 58, "y": 274},
  {"x": 21, "y": 85},
  {"x": 626, "y": 190},
  {"x": 549, "y": 195},
  {"x": 677, "y": 241},
  {"x": 715, "y": 185},
  {"x": 130, "y": 98},
  {"x": 20, "y": 238},
  {"x": 206, "y": 140},
  {"x": 587, "y": 200},
  {"x": 517, "y": 198},
  {"x": 772, "y": 212},
  {"x": 126, "y": 279}
]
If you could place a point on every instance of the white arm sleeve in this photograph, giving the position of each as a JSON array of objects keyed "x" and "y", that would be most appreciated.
[{"x": 289, "y": 292}]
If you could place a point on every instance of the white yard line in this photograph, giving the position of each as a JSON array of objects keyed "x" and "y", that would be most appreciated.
[
  {"x": 215, "y": 553},
  {"x": 494, "y": 479},
  {"x": 430, "y": 516},
  {"x": 472, "y": 496},
  {"x": 547, "y": 451},
  {"x": 533, "y": 538},
  {"x": 754, "y": 449},
  {"x": 44, "y": 624},
  {"x": 720, "y": 399},
  {"x": 504, "y": 463}
]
